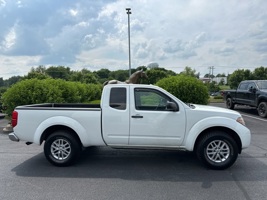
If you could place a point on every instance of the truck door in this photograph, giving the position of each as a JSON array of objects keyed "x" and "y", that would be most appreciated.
[
  {"x": 252, "y": 94},
  {"x": 115, "y": 116},
  {"x": 151, "y": 123},
  {"x": 242, "y": 93}
]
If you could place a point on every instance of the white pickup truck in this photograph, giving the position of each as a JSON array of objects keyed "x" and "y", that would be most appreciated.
[{"x": 133, "y": 116}]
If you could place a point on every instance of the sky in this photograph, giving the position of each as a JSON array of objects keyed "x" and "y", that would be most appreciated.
[{"x": 93, "y": 34}]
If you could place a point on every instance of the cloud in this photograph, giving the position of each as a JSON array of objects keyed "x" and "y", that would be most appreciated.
[
  {"x": 2, "y": 3},
  {"x": 173, "y": 33},
  {"x": 224, "y": 51}
]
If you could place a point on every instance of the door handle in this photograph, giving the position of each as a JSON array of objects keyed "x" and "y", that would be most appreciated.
[{"x": 137, "y": 116}]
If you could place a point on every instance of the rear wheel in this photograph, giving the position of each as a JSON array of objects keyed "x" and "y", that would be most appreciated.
[
  {"x": 262, "y": 109},
  {"x": 217, "y": 150},
  {"x": 229, "y": 103},
  {"x": 62, "y": 149}
]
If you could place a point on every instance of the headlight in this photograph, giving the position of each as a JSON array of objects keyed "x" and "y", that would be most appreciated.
[{"x": 241, "y": 121}]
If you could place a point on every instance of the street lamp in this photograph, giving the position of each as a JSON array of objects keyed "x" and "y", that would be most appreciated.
[{"x": 128, "y": 13}]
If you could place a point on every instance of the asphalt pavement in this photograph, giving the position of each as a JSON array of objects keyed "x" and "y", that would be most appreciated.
[
  {"x": 3, "y": 123},
  {"x": 105, "y": 173}
]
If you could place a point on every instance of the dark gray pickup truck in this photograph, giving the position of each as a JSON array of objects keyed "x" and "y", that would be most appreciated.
[{"x": 251, "y": 93}]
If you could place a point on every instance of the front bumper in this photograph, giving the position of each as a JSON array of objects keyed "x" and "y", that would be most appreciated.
[{"x": 13, "y": 137}]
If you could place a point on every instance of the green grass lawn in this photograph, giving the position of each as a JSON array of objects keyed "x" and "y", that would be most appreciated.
[{"x": 224, "y": 87}]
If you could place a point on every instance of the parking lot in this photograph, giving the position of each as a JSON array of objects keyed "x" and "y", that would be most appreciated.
[{"x": 104, "y": 173}]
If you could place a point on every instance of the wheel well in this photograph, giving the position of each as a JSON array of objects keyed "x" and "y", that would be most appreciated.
[
  {"x": 261, "y": 100},
  {"x": 228, "y": 96},
  {"x": 52, "y": 129},
  {"x": 228, "y": 131}
]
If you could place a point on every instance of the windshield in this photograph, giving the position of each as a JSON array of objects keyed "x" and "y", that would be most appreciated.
[{"x": 262, "y": 85}]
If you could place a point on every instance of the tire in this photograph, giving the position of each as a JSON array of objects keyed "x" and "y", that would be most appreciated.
[
  {"x": 217, "y": 150},
  {"x": 229, "y": 103},
  {"x": 262, "y": 109},
  {"x": 62, "y": 149}
]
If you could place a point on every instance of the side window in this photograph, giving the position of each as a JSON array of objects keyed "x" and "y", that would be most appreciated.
[
  {"x": 243, "y": 86},
  {"x": 262, "y": 85},
  {"x": 117, "y": 98},
  {"x": 149, "y": 99}
]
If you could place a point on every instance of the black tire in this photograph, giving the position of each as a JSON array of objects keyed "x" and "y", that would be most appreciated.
[
  {"x": 217, "y": 150},
  {"x": 262, "y": 109},
  {"x": 229, "y": 103},
  {"x": 62, "y": 149}
]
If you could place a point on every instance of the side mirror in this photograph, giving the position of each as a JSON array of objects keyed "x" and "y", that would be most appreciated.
[
  {"x": 171, "y": 106},
  {"x": 252, "y": 89}
]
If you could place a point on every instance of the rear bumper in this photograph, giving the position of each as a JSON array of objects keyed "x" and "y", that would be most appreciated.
[{"x": 13, "y": 137}]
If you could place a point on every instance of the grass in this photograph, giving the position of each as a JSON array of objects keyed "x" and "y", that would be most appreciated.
[{"x": 224, "y": 87}]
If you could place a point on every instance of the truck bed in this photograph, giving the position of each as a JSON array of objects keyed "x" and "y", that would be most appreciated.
[{"x": 53, "y": 106}]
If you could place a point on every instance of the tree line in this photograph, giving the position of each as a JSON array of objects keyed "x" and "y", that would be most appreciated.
[
  {"x": 61, "y": 84},
  {"x": 154, "y": 74},
  {"x": 85, "y": 75}
]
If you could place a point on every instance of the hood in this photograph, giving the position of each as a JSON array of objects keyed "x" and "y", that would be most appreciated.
[{"x": 215, "y": 111}]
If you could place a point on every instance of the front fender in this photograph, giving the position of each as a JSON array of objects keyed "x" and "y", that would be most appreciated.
[
  {"x": 62, "y": 121},
  {"x": 261, "y": 98},
  {"x": 210, "y": 122}
]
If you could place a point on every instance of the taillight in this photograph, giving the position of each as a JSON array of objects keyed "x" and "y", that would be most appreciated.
[{"x": 14, "y": 120}]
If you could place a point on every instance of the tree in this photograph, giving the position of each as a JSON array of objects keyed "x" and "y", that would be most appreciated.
[
  {"x": 103, "y": 75},
  {"x": 40, "y": 69},
  {"x": 120, "y": 75},
  {"x": 188, "y": 71},
  {"x": 212, "y": 87},
  {"x": 154, "y": 75},
  {"x": 221, "y": 75},
  {"x": 239, "y": 75},
  {"x": 12, "y": 80},
  {"x": 84, "y": 76},
  {"x": 59, "y": 72},
  {"x": 39, "y": 73},
  {"x": 260, "y": 73},
  {"x": 2, "y": 83},
  {"x": 186, "y": 88},
  {"x": 144, "y": 68}
]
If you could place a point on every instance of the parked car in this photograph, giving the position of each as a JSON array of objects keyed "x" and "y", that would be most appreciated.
[{"x": 252, "y": 93}]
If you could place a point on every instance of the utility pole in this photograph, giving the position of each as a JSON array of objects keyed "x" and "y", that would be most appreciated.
[
  {"x": 211, "y": 68},
  {"x": 129, "y": 40}
]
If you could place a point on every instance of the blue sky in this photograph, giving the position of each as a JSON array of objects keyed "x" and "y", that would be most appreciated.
[{"x": 228, "y": 35}]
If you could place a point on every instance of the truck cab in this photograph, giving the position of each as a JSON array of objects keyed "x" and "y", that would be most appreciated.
[{"x": 142, "y": 116}]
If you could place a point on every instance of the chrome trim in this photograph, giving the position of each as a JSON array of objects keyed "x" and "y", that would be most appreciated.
[{"x": 13, "y": 137}]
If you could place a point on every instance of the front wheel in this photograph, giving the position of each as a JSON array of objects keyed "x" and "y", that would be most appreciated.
[
  {"x": 62, "y": 149},
  {"x": 217, "y": 150},
  {"x": 229, "y": 103},
  {"x": 262, "y": 109}
]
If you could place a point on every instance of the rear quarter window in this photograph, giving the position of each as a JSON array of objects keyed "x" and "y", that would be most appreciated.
[{"x": 117, "y": 98}]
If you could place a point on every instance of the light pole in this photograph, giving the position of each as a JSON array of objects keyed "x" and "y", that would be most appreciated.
[{"x": 129, "y": 40}]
